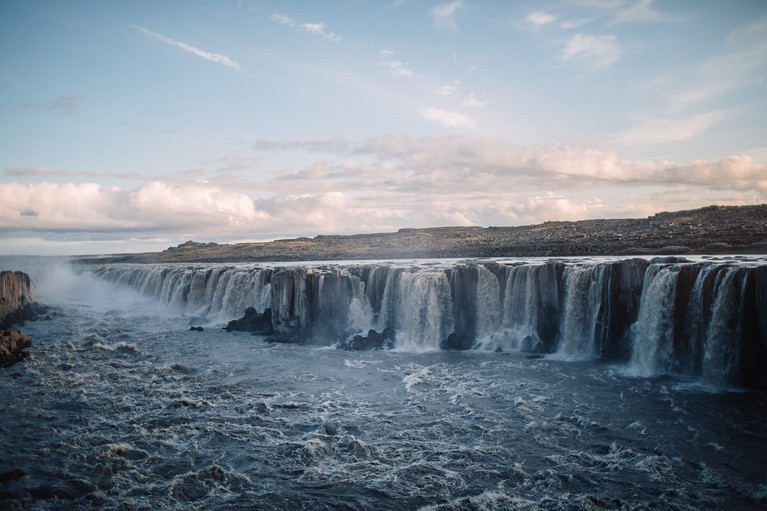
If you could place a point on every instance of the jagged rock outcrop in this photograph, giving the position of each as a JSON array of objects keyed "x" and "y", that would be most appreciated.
[
  {"x": 12, "y": 347},
  {"x": 14, "y": 294},
  {"x": 15, "y": 307},
  {"x": 252, "y": 321},
  {"x": 372, "y": 341}
]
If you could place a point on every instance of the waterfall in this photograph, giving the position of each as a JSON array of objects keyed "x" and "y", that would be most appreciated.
[
  {"x": 424, "y": 316},
  {"x": 580, "y": 309},
  {"x": 530, "y": 307},
  {"x": 653, "y": 331},
  {"x": 704, "y": 318}
]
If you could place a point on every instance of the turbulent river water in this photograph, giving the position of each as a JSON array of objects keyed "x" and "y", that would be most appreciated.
[{"x": 121, "y": 406}]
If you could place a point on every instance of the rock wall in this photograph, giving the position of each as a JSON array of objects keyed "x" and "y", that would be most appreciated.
[
  {"x": 14, "y": 295},
  {"x": 15, "y": 299}
]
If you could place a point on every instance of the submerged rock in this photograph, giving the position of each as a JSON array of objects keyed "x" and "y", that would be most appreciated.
[
  {"x": 373, "y": 341},
  {"x": 456, "y": 342}
]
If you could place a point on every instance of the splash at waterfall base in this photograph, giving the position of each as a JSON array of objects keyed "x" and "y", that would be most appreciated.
[{"x": 704, "y": 318}]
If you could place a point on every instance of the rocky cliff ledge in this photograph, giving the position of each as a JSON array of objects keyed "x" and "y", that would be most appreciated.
[
  {"x": 709, "y": 230},
  {"x": 16, "y": 305}
]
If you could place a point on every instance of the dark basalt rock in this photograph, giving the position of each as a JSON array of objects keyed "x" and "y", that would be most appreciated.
[
  {"x": 196, "y": 329},
  {"x": 12, "y": 347},
  {"x": 456, "y": 342},
  {"x": 252, "y": 321},
  {"x": 373, "y": 341}
]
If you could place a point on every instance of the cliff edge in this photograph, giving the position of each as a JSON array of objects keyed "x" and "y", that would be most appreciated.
[
  {"x": 15, "y": 306},
  {"x": 709, "y": 230}
]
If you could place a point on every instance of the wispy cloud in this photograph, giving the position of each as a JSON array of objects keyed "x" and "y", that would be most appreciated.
[
  {"x": 593, "y": 52},
  {"x": 64, "y": 104},
  {"x": 640, "y": 10},
  {"x": 447, "y": 118},
  {"x": 43, "y": 172},
  {"x": 623, "y": 11},
  {"x": 737, "y": 64},
  {"x": 665, "y": 130},
  {"x": 213, "y": 57},
  {"x": 395, "y": 67},
  {"x": 472, "y": 101},
  {"x": 443, "y": 16},
  {"x": 282, "y": 19},
  {"x": 319, "y": 29},
  {"x": 445, "y": 90},
  {"x": 540, "y": 18},
  {"x": 312, "y": 28}
]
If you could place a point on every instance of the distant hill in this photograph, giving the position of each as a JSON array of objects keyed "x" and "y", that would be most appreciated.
[{"x": 709, "y": 230}]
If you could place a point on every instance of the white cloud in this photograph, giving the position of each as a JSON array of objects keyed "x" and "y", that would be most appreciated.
[
  {"x": 213, "y": 57},
  {"x": 154, "y": 206},
  {"x": 540, "y": 18},
  {"x": 472, "y": 101},
  {"x": 446, "y": 90},
  {"x": 319, "y": 29},
  {"x": 382, "y": 184},
  {"x": 282, "y": 19},
  {"x": 312, "y": 28},
  {"x": 443, "y": 16},
  {"x": 446, "y": 117},
  {"x": 570, "y": 24},
  {"x": 593, "y": 51},
  {"x": 397, "y": 68}
]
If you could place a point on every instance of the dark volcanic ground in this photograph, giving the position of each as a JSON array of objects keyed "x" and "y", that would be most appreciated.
[{"x": 714, "y": 229}]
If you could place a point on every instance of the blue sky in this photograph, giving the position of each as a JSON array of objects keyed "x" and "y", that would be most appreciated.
[{"x": 134, "y": 126}]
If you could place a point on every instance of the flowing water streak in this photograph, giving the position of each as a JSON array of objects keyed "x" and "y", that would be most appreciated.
[
  {"x": 489, "y": 304},
  {"x": 722, "y": 351},
  {"x": 424, "y": 311},
  {"x": 653, "y": 332},
  {"x": 582, "y": 300}
]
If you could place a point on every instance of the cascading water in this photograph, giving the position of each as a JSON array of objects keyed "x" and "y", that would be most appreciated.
[
  {"x": 662, "y": 316},
  {"x": 424, "y": 311},
  {"x": 722, "y": 344},
  {"x": 120, "y": 405},
  {"x": 582, "y": 299},
  {"x": 530, "y": 306},
  {"x": 653, "y": 332}
]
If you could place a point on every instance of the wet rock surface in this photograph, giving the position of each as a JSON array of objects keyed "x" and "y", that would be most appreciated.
[
  {"x": 12, "y": 347},
  {"x": 16, "y": 307},
  {"x": 372, "y": 341},
  {"x": 253, "y": 321}
]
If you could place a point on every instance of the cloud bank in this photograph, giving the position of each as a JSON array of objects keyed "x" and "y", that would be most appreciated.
[{"x": 382, "y": 184}]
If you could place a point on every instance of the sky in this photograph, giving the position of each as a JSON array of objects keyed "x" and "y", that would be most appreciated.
[{"x": 135, "y": 126}]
